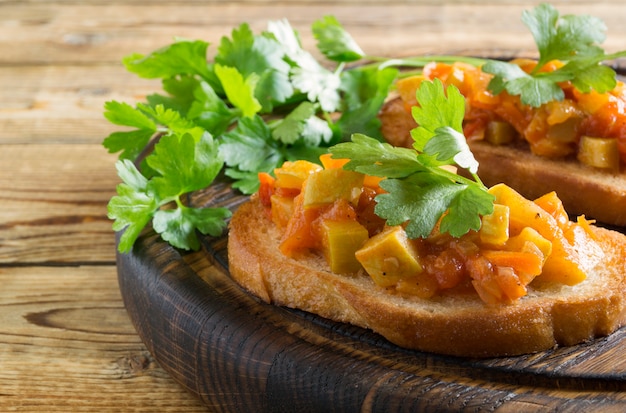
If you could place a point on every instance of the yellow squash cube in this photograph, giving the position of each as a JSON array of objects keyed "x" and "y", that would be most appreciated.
[
  {"x": 389, "y": 256},
  {"x": 340, "y": 241},
  {"x": 495, "y": 227},
  {"x": 326, "y": 186}
]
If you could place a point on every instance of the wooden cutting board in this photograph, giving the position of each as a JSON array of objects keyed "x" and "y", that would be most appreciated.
[{"x": 238, "y": 354}]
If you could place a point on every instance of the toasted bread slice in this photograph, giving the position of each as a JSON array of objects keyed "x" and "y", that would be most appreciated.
[
  {"x": 461, "y": 325},
  {"x": 598, "y": 194}
]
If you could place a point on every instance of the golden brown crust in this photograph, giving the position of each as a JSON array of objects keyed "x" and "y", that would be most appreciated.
[
  {"x": 597, "y": 194},
  {"x": 458, "y": 325}
]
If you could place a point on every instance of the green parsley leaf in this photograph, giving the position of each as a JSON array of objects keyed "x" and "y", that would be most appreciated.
[
  {"x": 183, "y": 165},
  {"x": 440, "y": 131},
  {"x": 372, "y": 157},
  {"x": 364, "y": 93},
  {"x": 132, "y": 207},
  {"x": 260, "y": 56},
  {"x": 466, "y": 209},
  {"x": 240, "y": 91},
  {"x": 209, "y": 111},
  {"x": 316, "y": 132},
  {"x": 422, "y": 199},
  {"x": 180, "y": 93},
  {"x": 178, "y": 226},
  {"x": 319, "y": 84},
  {"x": 566, "y": 37},
  {"x": 250, "y": 146},
  {"x": 571, "y": 39},
  {"x": 195, "y": 166},
  {"x": 181, "y": 57},
  {"x": 334, "y": 42},
  {"x": 123, "y": 114},
  {"x": 129, "y": 143},
  {"x": 290, "y": 129}
]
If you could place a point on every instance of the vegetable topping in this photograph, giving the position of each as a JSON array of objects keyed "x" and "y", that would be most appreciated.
[
  {"x": 413, "y": 225},
  {"x": 520, "y": 242}
]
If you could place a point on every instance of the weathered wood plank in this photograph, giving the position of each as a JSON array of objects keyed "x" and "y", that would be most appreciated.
[
  {"x": 64, "y": 104},
  {"x": 39, "y": 33},
  {"x": 67, "y": 344},
  {"x": 54, "y": 201}
]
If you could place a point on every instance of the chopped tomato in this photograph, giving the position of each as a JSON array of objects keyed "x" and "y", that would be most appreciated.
[
  {"x": 299, "y": 233},
  {"x": 447, "y": 268}
]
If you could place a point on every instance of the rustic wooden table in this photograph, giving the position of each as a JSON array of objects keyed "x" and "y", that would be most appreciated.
[{"x": 66, "y": 342}]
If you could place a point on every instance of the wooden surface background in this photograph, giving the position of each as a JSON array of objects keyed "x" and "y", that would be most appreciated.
[{"x": 66, "y": 343}]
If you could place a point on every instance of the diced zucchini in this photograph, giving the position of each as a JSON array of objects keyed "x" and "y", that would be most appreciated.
[
  {"x": 389, "y": 256},
  {"x": 500, "y": 132},
  {"x": 495, "y": 227},
  {"x": 599, "y": 152},
  {"x": 340, "y": 241},
  {"x": 326, "y": 186},
  {"x": 564, "y": 132}
]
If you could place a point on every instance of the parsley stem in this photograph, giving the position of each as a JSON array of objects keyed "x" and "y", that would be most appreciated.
[
  {"x": 421, "y": 61},
  {"x": 456, "y": 177}
]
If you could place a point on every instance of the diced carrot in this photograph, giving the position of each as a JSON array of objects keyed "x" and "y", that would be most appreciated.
[
  {"x": 526, "y": 262},
  {"x": 585, "y": 224},
  {"x": 592, "y": 101},
  {"x": 372, "y": 182},
  {"x": 553, "y": 205},
  {"x": 328, "y": 162},
  {"x": 437, "y": 70},
  {"x": 524, "y": 212},
  {"x": 266, "y": 188}
]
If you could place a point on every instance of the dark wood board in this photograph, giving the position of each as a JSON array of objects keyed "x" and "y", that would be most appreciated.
[{"x": 238, "y": 354}]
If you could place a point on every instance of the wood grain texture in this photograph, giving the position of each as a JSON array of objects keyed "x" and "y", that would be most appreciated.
[
  {"x": 237, "y": 353},
  {"x": 67, "y": 345},
  {"x": 66, "y": 220}
]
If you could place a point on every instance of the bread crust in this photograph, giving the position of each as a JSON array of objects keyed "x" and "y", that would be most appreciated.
[
  {"x": 460, "y": 325},
  {"x": 598, "y": 194}
]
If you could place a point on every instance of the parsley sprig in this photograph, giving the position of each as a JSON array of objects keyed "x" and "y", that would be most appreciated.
[
  {"x": 180, "y": 164},
  {"x": 572, "y": 39},
  {"x": 418, "y": 190},
  {"x": 262, "y": 100}
]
